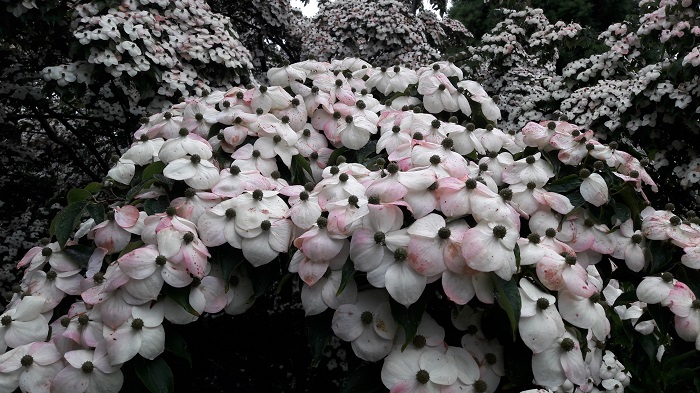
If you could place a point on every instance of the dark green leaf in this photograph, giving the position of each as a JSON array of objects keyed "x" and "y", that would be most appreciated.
[
  {"x": 153, "y": 206},
  {"x": 168, "y": 183},
  {"x": 661, "y": 255},
  {"x": 367, "y": 150},
  {"x": 93, "y": 187},
  {"x": 96, "y": 212},
  {"x": 508, "y": 297},
  {"x": 80, "y": 254},
  {"x": 319, "y": 333},
  {"x": 336, "y": 153},
  {"x": 576, "y": 199},
  {"x": 77, "y": 195},
  {"x": 626, "y": 298},
  {"x": 408, "y": 318},
  {"x": 348, "y": 273},
  {"x": 229, "y": 260},
  {"x": 565, "y": 184},
  {"x": 131, "y": 247},
  {"x": 516, "y": 250},
  {"x": 622, "y": 212},
  {"x": 214, "y": 129},
  {"x": 66, "y": 220},
  {"x": 176, "y": 344},
  {"x": 156, "y": 375},
  {"x": 135, "y": 190},
  {"x": 152, "y": 169},
  {"x": 180, "y": 296},
  {"x": 303, "y": 163}
]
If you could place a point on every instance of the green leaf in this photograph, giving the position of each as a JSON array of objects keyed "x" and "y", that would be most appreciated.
[
  {"x": 565, "y": 184},
  {"x": 336, "y": 153},
  {"x": 661, "y": 255},
  {"x": 229, "y": 260},
  {"x": 96, "y": 212},
  {"x": 366, "y": 150},
  {"x": 153, "y": 206},
  {"x": 364, "y": 379},
  {"x": 93, "y": 187},
  {"x": 408, "y": 318},
  {"x": 348, "y": 274},
  {"x": 131, "y": 247},
  {"x": 152, "y": 169},
  {"x": 508, "y": 297},
  {"x": 156, "y": 375},
  {"x": 319, "y": 333},
  {"x": 180, "y": 296},
  {"x": 167, "y": 182},
  {"x": 576, "y": 199},
  {"x": 626, "y": 298},
  {"x": 66, "y": 220},
  {"x": 622, "y": 212},
  {"x": 80, "y": 254},
  {"x": 303, "y": 163},
  {"x": 176, "y": 344},
  {"x": 77, "y": 195}
]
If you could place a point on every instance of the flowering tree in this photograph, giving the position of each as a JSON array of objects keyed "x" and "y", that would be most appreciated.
[
  {"x": 642, "y": 83},
  {"x": 77, "y": 76},
  {"x": 460, "y": 256},
  {"x": 384, "y": 32}
]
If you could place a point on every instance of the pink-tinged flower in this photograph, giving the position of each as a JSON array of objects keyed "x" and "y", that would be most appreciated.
[
  {"x": 324, "y": 294},
  {"x": 267, "y": 98},
  {"x": 53, "y": 286},
  {"x": 208, "y": 294},
  {"x": 304, "y": 210},
  {"x": 30, "y": 367},
  {"x": 461, "y": 283},
  {"x": 379, "y": 235},
  {"x": 164, "y": 125},
  {"x": 559, "y": 272},
  {"x": 197, "y": 173},
  {"x": 233, "y": 182},
  {"x": 488, "y": 247},
  {"x": 185, "y": 144},
  {"x": 397, "y": 184},
  {"x": 367, "y": 325},
  {"x": 88, "y": 371},
  {"x": 141, "y": 334},
  {"x": 184, "y": 248},
  {"x": 663, "y": 224},
  {"x": 562, "y": 360},
  {"x": 691, "y": 258},
  {"x": 84, "y": 326},
  {"x": 355, "y": 130},
  {"x": 194, "y": 204},
  {"x": 252, "y": 208},
  {"x": 572, "y": 147},
  {"x": 584, "y": 312},
  {"x": 115, "y": 233},
  {"x": 344, "y": 216},
  {"x": 337, "y": 186},
  {"x": 284, "y": 76},
  {"x": 435, "y": 244},
  {"x": 37, "y": 257},
  {"x": 310, "y": 141},
  {"x": 529, "y": 169},
  {"x": 236, "y": 133},
  {"x": 198, "y": 117},
  {"x": 23, "y": 323},
  {"x": 540, "y": 323},
  {"x": 296, "y": 114},
  {"x": 412, "y": 371},
  {"x": 655, "y": 290},
  {"x": 593, "y": 188},
  {"x": 318, "y": 248},
  {"x": 440, "y": 158},
  {"x": 144, "y": 151},
  {"x": 455, "y": 195},
  {"x": 145, "y": 262},
  {"x": 381, "y": 80}
]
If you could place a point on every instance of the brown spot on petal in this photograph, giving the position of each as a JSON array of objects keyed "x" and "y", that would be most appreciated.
[{"x": 381, "y": 325}]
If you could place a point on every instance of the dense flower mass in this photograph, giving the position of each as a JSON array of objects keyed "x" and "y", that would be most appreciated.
[{"x": 386, "y": 191}]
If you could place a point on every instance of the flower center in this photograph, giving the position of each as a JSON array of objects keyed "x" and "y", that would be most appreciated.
[
  {"x": 530, "y": 160},
  {"x": 265, "y": 225},
  {"x": 480, "y": 386},
  {"x": 447, "y": 143},
  {"x": 584, "y": 173},
  {"x": 379, "y": 237},
  {"x": 87, "y": 367},
  {"x": 675, "y": 221},
  {"x": 490, "y": 358},
  {"x": 258, "y": 195},
  {"x": 6, "y": 320},
  {"x": 542, "y": 303},
  {"x": 188, "y": 237},
  {"x": 567, "y": 344},
  {"x": 470, "y": 183},
  {"x": 195, "y": 159},
  {"x": 27, "y": 360},
  {"x": 65, "y": 321},
  {"x": 137, "y": 324},
  {"x": 636, "y": 238},
  {"x": 400, "y": 254},
  {"x": 183, "y": 132},
  {"x": 422, "y": 377},
  {"x": 667, "y": 277},
  {"x": 46, "y": 251},
  {"x": 419, "y": 341},
  {"x": 322, "y": 222},
  {"x": 506, "y": 194},
  {"x": 435, "y": 123},
  {"x": 570, "y": 259},
  {"x": 550, "y": 232},
  {"x": 83, "y": 320},
  {"x": 499, "y": 231},
  {"x": 51, "y": 275},
  {"x": 435, "y": 159},
  {"x": 444, "y": 233},
  {"x": 366, "y": 318},
  {"x": 343, "y": 177}
]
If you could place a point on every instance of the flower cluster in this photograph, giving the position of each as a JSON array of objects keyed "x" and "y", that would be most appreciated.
[
  {"x": 384, "y": 190},
  {"x": 382, "y": 32},
  {"x": 166, "y": 38}
]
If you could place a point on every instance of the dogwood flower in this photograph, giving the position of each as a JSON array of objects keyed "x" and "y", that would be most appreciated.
[
  {"x": 412, "y": 370},
  {"x": 23, "y": 323},
  {"x": 141, "y": 334},
  {"x": 88, "y": 371}
]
